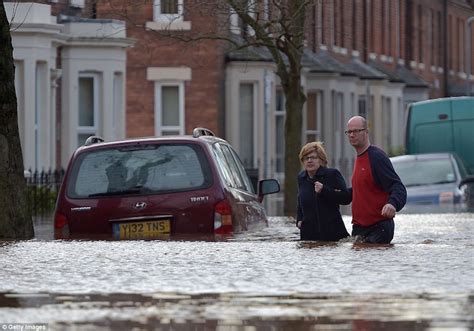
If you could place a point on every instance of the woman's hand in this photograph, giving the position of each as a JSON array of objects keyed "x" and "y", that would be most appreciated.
[
  {"x": 298, "y": 224},
  {"x": 318, "y": 187}
]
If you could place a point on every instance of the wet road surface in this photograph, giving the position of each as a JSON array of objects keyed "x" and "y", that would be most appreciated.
[{"x": 260, "y": 281}]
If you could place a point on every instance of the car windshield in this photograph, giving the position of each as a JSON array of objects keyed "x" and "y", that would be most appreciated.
[
  {"x": 425, "y": 171},
  {"x": 142, "y": 169}
]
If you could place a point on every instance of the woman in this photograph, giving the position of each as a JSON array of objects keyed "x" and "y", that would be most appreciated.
[{"x": 320, "y": 192}]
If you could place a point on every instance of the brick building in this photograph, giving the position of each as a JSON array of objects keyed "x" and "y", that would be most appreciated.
[{"x": 369, "y": 57}]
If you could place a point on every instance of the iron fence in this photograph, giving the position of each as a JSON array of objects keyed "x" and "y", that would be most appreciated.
[{"x": 42, "y": 190}]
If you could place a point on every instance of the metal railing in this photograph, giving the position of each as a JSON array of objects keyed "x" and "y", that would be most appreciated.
[{"x": 42, "y": 190}]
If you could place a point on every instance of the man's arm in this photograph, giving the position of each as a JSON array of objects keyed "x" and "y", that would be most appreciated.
[{"x": 386, "y": 177}]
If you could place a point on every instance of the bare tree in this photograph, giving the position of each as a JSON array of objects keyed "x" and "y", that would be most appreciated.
[
  {"x": 281, "y": 32},
  {"x": 15, "y": 220},
  {"x": 276, "y": 26}
]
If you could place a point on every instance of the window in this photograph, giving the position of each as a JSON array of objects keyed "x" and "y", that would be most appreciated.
[
  {"x": 420, "y": 34},
  {"x": 246, "y": 124},
  {"x": 234, "y": 22},
  {"x": 168, "y": 10},
  {"x": 280, "y": 132},
  {"x": 425, "y": 172},
  {"x": 387, "y": 121},
  {"x": 451, "y": 48},
  {"x": 313, "y": 117},
  {"x": 461, "y": 44},
  {"x": 431, "y": 38},
  {"x": 76, "y": 3},
  {"x": 40, "y": 111},
  {"x": 324, "y": 24},
  {"x": 333, "y": 19},
  {"x": 388, "y": 27},
  {"x": 117, "y": 104},
  {"x": 150, "y": 169},
  {"x": 231, "y": 168},
  {"x": 322, "y": 29},
  {"x": 440, "y": 49},
  {"x": 169, "y": 109},
  {"x": 237, "y": 26},
  {"x": 373, "y": 28},
  {"x": 88, "y": 107},
  {"x": 338, "y": 125},
  {"x": 363, "y": 106},
  {"x": 354, "y": 25}
]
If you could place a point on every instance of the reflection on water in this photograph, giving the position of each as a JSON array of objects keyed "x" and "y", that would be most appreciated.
[{"x": 266, "y": 280}]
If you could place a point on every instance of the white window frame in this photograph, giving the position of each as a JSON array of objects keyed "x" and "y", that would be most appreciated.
[
  {"x": 91, "y": 130},
  {"x": 159, "y": 17},
  {"x": 159, "y": 127}
]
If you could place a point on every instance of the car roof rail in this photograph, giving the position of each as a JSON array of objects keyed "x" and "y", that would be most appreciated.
[
  {"x": 198, "y": 132},
  {"x": 93, "y": 140}
]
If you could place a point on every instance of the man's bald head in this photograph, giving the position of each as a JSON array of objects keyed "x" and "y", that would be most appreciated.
[
  {"x": 357, "y": 121},
  {"x": 358, "y": 134}
]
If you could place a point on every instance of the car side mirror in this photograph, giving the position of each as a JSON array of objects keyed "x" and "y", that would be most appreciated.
[
  {"x": 467, "y": 180},
  {"x": 267, "y": 186}
]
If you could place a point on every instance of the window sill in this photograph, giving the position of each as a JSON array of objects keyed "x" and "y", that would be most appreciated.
[{"x": 176, "y": 25}]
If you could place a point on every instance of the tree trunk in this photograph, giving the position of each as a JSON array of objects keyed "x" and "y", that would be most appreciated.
[
  {"x": 295, "y": 100},
  {"x": 15, "y": 219}
]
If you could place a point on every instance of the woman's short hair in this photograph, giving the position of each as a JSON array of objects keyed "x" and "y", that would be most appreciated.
[{"x": 315, "y": 146}]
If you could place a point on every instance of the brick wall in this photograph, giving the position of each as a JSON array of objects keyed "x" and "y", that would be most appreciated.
[
  {"x": 203, "y": 93},
  {"x": 409, "y": 30}
]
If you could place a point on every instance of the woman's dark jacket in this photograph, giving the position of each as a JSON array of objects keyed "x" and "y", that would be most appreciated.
[{"x": 320, "y": 211}]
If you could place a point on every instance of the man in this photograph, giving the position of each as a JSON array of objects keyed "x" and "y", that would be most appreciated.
[{"x": 377, "y": 191}]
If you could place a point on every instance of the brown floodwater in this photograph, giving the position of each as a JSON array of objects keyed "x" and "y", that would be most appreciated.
[{"x": 266, "y": 280}]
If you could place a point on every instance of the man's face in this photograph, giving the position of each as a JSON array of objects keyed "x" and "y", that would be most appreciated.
[{"x": 357, "y": 134}]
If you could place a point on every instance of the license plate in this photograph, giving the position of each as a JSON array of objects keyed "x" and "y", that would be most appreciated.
[{"x": 142, "y": 230}]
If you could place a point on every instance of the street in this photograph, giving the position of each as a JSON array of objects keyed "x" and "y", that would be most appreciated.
[{"x": 260, "y": 281}]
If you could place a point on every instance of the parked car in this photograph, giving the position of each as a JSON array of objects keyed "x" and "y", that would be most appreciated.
[
  {"x": 433, "y": 182},
  {"x": 158, "y": 187}
]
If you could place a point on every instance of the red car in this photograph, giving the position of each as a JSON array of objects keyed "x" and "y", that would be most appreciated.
[{"x": 158, "y": 187}]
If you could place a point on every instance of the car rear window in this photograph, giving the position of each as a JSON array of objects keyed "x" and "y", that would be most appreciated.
[
  {"x": 425, "y": 172},
  {"x": 139, "y": 169}
]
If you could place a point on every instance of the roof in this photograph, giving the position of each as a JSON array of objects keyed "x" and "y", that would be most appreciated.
[
  {"x": 364, "y": 71},
  {"x": 247, "y": 53},
  {"x": 200, "y": 136},
  {"x": 410, "y": 78},
  {"x": 422, "y": 156},
  {"x": 323, "y": 62},
  {"x": 392, "y": 76}
]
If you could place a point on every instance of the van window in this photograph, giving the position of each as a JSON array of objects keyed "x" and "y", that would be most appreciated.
[{"x": 145, "y": 169}]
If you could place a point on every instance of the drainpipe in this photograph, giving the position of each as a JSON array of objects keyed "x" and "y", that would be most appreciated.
[{"x": 468, "y": 54}]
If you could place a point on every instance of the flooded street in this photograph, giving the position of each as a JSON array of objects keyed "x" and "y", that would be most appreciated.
[{"x": 267, "y": 280}]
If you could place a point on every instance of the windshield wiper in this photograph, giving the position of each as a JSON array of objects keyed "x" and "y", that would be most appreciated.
[
  {"x": 112, "y": 193},
  {"x": 413, "y": 185},
  {"x": 444, "y": 182}
]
